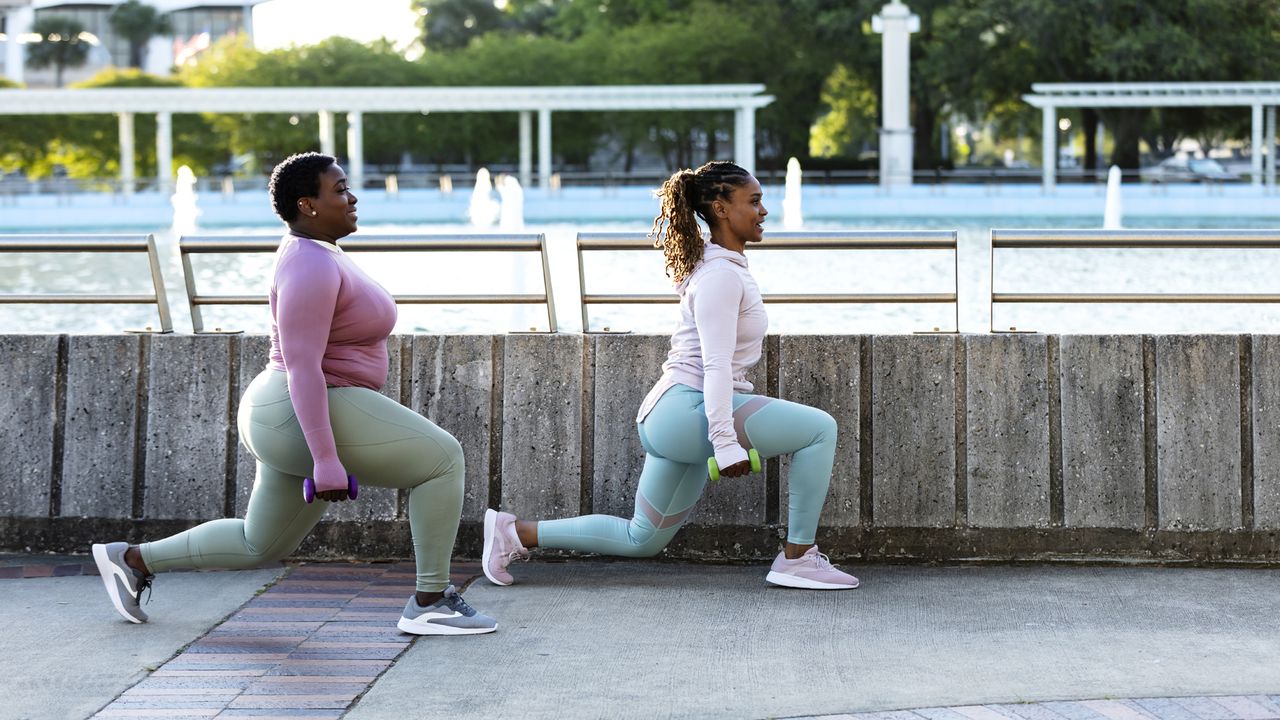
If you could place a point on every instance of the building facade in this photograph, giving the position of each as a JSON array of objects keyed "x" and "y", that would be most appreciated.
[{"x": 195, "y": 24}]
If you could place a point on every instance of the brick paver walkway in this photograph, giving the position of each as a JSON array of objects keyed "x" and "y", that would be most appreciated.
[
  {"x": 1230, "y": 707},
  {"x": 304, "y": 649}
]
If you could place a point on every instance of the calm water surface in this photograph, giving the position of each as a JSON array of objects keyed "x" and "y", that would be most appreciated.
[{"x": 1113, "y": 270}]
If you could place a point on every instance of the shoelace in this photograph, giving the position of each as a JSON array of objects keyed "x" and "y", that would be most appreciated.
[
  {"x": 458, "y": 605},
  {"x": 822, "y": 561},
  {"x": 144, "y": 584}
]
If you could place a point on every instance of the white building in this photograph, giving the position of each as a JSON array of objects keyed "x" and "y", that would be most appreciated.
[{"x": 195, "y": 24}]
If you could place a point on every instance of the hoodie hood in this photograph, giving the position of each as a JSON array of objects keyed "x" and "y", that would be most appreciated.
[{"x": 711, "y": 252}]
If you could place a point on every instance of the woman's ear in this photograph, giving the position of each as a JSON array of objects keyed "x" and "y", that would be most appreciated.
[{"x": 718, "y": 209}]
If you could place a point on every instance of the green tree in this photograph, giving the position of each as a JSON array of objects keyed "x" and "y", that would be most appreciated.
[
  {"x": 1141, "y": 41},
  {"x": 138, "y": 23},
  {"x": 336, "y": 62},
  {"x": 62, "y": 44},
  {"x": 453, "y": 24}
]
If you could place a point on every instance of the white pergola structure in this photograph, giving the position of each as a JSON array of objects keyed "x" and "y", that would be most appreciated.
[
  {"x": 1257, "y": 95},
  {"x": 125, "y": 103}
]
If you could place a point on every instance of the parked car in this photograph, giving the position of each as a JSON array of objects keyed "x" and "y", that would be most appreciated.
[{"x": 1181, "y": 169}]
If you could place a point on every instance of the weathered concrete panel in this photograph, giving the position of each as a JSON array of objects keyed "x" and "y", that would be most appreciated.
[
  {"x": 101, "y": 425},
  {"x": 453, "y": 387},
  {"x": 254, "y": 352},
  {"x": 740, "y": 500},
  {"x": 187, "y": 416},
  {"x": 1266, "y": 431},
  {"x": 625, "y": 367},
  {"x": 823, "y": 371},
  {"x": 913, "y": 438},
  {"x": 28, "y": 394},
  {"x": 376, "y": 503},
  {"x": 1008, "y": 430},
  {"x": 542, "y": 425},
  {"x": 1102, "y": 431},
  {"x": 1198, "y": 427}
]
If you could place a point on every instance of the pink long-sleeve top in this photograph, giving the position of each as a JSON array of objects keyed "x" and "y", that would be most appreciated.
[
  {"x": 329, "y": 327},
  {"x": 719, "y": 338}
]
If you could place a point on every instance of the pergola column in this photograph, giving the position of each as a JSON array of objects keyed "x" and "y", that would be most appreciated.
[
  {"x": 127, "y": 170},
  {"x": 1271, "y": 148},
  {"x": 1049, "y": 147},
  {"x": 355, "y": 150},
  {"x": 164, "y": 151},
  {"x": 744, "y": 138},
  {"x": 17, "y": 22},
  {"x": 327, "y": 144},
  {"x": 1256, "y": 155},
  {"x": 544, "y": 148},
  {"x": 526, "y": 148}
]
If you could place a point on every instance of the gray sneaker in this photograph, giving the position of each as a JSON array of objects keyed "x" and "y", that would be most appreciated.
[
  {"x": 450, "y": 615},
  {"x": 124, "y": 584}
]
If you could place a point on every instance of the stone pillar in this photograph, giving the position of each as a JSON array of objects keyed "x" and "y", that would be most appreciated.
[
  {"x": 526, "y": 148},
  {"x": 744, "y": 138},
  {"x": 897, "y": 138},
  {"x": 127, "y": 171},
  {"x": 164, "y": 151},
  {"x": 327, "y": 144},
  {"x": 544, "y": 148},
  {"x": 355, "y": 151}
]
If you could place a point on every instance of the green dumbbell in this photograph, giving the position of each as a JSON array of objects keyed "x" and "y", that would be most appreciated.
[{"x": 713, "y": 470}]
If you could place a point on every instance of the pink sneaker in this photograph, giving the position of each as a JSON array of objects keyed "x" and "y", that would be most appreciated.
[
  {"x": 501, "y": 546},
  {"x": 812, "y": 571}
]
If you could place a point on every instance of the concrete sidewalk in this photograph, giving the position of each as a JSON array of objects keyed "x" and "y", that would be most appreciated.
[{"x": 591, "y": 639}]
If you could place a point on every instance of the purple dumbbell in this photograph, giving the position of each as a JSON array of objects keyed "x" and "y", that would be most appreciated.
[{"x": 309, "y": 488}]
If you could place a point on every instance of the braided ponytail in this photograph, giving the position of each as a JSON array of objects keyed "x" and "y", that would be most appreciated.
[{"x": 686, "y": 196}]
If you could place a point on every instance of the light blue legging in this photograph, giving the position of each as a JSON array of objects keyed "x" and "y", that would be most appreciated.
[
  {"x": 380, "y": 441},
  {"x": 674, "y": 436}
]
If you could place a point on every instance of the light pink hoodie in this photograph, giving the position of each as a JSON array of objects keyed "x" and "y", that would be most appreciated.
[{"x": 719, "y": 338}]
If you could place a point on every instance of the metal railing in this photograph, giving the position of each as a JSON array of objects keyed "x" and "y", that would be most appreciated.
[
  {"x": 189, "y": 246},
  {"x": 1133, "y": 239},
  {"x": 859, "y": 240},
  {"x": 93, "y": 244}
]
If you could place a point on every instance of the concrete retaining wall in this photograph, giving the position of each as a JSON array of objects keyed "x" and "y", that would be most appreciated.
[{"x": 1001, "y": 447}]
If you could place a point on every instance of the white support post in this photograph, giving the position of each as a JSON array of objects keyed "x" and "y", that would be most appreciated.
[
  {"x": 128, "y": 176},
  {"x": 355, "y": 151},
  {"x": 1049, "y": 148},
  {"x": 1256, "y": 155},
  {"x": 544, "y": 148},
  {"x": 744, "y": 138},
  {"x": 328, "y": 146},
  {"x": 526, "y": 149},
  {"x": 164, "y": 152},
  {"x": 1271, "y": 149},
  {"x": 17, "y": 22}
]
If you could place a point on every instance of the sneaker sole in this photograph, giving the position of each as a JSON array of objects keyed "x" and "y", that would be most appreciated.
[
  {"x": 408, "y": 626},
  {"x": 490, "y": 528},
  {"x": 106, "y": 570},
  {"x": 792, "y": 581}
]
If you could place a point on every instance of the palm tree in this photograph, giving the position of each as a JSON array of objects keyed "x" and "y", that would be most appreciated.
[
  {"x": 138, "y": 23},
  {"x": 63, "y": 44}
]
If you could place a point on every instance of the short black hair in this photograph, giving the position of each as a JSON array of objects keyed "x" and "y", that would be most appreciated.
[{"x": 296, "y": 177}]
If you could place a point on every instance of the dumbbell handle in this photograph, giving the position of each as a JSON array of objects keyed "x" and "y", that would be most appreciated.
[
  {"x": 713, "y": 469},
  {"x": 309, "y": 488}
]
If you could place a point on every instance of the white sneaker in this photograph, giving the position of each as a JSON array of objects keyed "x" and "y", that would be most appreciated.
[{"x": 124, "y": 584}]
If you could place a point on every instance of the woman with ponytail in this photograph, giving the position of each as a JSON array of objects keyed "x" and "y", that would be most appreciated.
[{"x": 701, "y": 406}]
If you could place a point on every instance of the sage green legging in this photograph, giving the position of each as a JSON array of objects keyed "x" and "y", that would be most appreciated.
[
  {"x": 674, "y": 436},
  {"x": 380, "y": 441}
]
